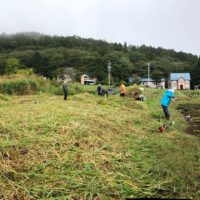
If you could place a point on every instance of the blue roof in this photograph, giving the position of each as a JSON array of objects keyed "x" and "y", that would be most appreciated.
[
  {"x": 162, "y": 80},
  {"x": 177, "y": 76},
  {"x": 146, "y": 80}
]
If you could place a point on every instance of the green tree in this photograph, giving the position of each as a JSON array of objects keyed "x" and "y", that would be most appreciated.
[
  {"x": 11, "y": 66},
  {"x": 45, "y": 54},
  {"x": 136, "y": 56},
  {"x": 136, "y": 79},
  {"x": 125, "y": 47},
  {"x": 196, "y": 74},
  {"x": 40, "y": 63},
  {"x": 157, "y": 75}
]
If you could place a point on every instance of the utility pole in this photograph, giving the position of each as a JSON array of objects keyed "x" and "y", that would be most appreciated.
[
  {"x": 148, "y": 64},
  {"x": 109, "y": 69}
]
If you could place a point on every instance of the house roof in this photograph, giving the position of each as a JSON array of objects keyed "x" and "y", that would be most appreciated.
[
  {"x": 146, "y": 80},
  {"x": 84, "y": 75},
  {"x": 162, "y": 80},
  {"x": 177, "y": 76},
  {"x": 131, "y": 79}
]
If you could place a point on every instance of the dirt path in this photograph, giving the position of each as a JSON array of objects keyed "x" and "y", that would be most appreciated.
[{"x": 192, "y": 110}]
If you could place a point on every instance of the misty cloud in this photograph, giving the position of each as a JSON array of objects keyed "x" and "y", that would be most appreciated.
[{"x": 171, "y": 24}]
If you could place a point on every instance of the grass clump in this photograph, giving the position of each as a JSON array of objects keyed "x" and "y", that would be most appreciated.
[
  {"x": 4, "y": 97},
  {"x": 19, "y": 87}
]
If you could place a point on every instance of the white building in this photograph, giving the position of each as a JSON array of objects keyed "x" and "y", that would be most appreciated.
[
  {"x": 85, "y": 79},
  {"x": 152, "y": 83}
]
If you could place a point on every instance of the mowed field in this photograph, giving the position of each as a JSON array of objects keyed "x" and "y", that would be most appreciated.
[{"x": 90, "y": 147}]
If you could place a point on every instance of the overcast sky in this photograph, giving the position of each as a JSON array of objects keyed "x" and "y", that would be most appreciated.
[{"x": 171, "y": 24}]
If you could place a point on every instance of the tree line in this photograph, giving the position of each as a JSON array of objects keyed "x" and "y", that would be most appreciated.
[{"x": 51, "y": 55}]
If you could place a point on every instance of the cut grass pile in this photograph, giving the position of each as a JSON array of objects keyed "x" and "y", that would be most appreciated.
[{"x": 90, "y": 147}]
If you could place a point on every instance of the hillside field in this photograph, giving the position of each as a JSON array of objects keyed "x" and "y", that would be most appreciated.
[{"x": 91, "y": 147}]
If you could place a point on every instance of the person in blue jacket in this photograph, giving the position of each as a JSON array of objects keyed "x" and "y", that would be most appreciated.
[{"x": 166, "y": 99}]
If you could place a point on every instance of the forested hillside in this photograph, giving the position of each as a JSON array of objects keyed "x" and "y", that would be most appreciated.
[{"x": 49, "y": 55}]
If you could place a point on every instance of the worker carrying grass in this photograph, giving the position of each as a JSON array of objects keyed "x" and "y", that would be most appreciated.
[
  {"x": 166, "y": 99},
  {"x": 122, "y": 90}
]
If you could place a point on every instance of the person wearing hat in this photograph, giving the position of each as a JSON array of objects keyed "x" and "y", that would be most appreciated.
[{"x": 166, "y": 99}]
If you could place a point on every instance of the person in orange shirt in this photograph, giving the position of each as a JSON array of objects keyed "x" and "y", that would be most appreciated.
[{"x": 122, "y": 90}]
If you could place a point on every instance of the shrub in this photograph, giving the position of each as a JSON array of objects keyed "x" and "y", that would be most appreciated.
[
  {"x": 21, "y": 87},
  {"x": 57, "y": 90},
  {"x": 18, "y": 87},
  {"x": 25, "y": 71},
  {"x": 34, "y": 87}
]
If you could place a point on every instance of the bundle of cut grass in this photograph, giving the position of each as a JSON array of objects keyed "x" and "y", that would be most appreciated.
[{"x": 134, "y": 92}]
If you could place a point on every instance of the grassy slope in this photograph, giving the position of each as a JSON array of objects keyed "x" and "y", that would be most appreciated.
[{"x": 94, "y": 148}]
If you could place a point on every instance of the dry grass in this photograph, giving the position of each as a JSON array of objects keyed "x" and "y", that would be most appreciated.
[{"x": 93, "y": 148}]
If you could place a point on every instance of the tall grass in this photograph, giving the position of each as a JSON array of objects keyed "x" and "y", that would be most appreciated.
[
  {"x": 73, "y": 88},
  {"x": 20, "y": 84},
  {"x": 19, "y": 87},
  {"x": 26, "y": 83},
  {"x": 31, "y": 84}
]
